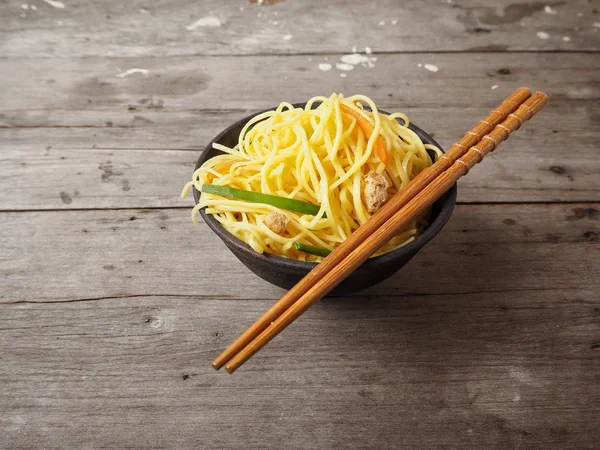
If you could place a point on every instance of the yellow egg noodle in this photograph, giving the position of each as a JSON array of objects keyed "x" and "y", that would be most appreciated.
[{"x": 317, "y": 154}]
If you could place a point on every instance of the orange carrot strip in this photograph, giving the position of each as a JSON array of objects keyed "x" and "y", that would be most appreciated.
[{"x": 367, "y": 128}]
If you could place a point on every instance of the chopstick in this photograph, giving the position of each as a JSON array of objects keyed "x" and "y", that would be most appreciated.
[
  {"x": 423, "y": 200},
  {"x": 472, "y": 137}
]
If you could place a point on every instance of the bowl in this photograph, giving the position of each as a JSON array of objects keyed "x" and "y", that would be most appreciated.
[{"x": 284, "y": 272}]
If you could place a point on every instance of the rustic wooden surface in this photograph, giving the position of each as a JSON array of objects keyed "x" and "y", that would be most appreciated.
[{"x": 112, "y": 304}]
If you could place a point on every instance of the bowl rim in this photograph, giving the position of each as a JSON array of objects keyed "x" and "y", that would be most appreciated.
[{"x": 448, "y": 201}]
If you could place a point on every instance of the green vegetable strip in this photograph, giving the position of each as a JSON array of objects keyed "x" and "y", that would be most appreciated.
[
  {"x": 312, "y": 249},
  {"x": 256, "y": 197}
]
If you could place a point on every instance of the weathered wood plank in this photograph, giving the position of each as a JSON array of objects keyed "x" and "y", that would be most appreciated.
[
  {"x": 136, "y": 28},
  {"x": 108, "y": 178},
  {"x": 35, "y": 91},
  {"x": 86, "y": 179},
  {"x": 486, "y": 370},
  {"x": 109, "y": 317},
  {"x": 165, "y": 113},
  {"x": 72, "y": 255}
]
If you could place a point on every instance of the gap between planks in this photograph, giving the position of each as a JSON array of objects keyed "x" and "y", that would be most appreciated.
[
  {"x": 236, "y": 299},
  {"x": 317, "y": 54},
  {"x": 183, "y": 207}
]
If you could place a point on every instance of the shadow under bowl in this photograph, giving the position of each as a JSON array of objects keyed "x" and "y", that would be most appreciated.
[{"x": 284, "y": 272}]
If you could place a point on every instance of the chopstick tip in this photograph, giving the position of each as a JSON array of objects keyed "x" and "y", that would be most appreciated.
[
  {"x": 522, "y": 91},
  {"x": 540, "y": 100}
]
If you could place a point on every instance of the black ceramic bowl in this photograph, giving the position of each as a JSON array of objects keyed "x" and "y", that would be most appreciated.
[{"x": 286, "y": 272}]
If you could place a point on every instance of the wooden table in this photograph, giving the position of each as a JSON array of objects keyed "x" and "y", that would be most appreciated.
[{"x": 112, "y": 304}]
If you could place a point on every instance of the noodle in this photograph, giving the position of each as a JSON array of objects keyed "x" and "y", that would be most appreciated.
[{"x": 318, "y": 154}]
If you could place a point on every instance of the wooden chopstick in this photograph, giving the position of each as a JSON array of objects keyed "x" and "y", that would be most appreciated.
[
  {"x": 381, "y": 235},
  {"x": 472, "y": 137},
  {"x": 508, "y": 106}
]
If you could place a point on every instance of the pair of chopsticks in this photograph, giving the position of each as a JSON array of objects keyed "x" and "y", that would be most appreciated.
[{"x": 403, "y": 207}]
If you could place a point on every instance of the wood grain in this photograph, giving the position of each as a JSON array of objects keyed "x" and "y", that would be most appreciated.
[
  {"x": 74, "y": 255},
  {"x": 534, "y": 167},
  {"x": 112, "y": 304},
  {"x": 38, "y": 92},
  {"x": 138, "y": 27},
  {"x": 484, "y": 370},
  {"x": 89, "y": 108}
]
